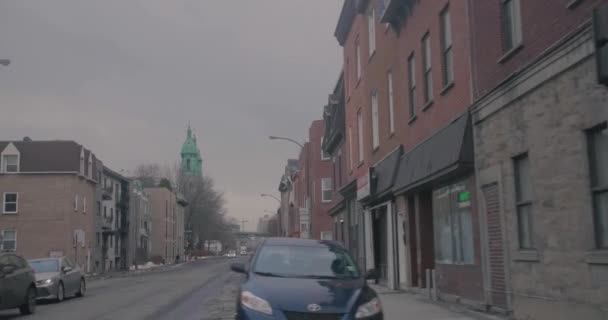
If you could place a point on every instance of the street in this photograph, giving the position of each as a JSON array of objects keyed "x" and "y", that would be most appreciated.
[{"x": 196, "y": 290}]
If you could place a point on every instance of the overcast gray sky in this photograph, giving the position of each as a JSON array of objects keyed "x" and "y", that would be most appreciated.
[{"x": 124, "y": 77}]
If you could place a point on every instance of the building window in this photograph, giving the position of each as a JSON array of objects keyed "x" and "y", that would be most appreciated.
[
  {"x": 453, "y": 225},
  {"x": 347, "y": 78},
  {"x": 112, "y": 213},
  {"x": 511, "y": 17},
  {"x": 446, "y": 47},
  {"x": 324, "y": 154},
  {"x": 358, "y": 58},
  {"x": 427, "y": 69},
  {"x": 411, "y": 68},
  {"x": 371, "y": 29},
  {"x": 375, "y": 124},
  {"x": 360, "y": 134},
  {"x": 598, "y": 160},
  {"x": 391, "y": 102},
  {"x": 350, "y": 147},
  {"x": 8, "y": 241},
  {"x": 11, "y": 163},
  {"x": 523, "y": 201},
  {"x": 97, "y": 239},
  {"x": 84, "y": 204},
  {"x": 10, "y": 202},
  {"x": 76, "y": 202},
  {"x": 326, "y": 189},
  {"x": 98, "y": 208},
  {"x": 326, "y": 235}
]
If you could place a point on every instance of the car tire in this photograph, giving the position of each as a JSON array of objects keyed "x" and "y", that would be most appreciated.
[
  {"x": 60, "y": 292},
  {"x": 29, "y": 305},
  {"x": 82, "y": 289}
]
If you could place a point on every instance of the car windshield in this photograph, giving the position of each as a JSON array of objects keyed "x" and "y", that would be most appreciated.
[
  {"x": 49, "y": 265},
  {"x": 305, "y": 262}
]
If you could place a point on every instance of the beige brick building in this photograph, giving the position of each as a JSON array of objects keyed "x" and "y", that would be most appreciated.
[
  {"x": 48, "y": 191},
  {"x": 167, "y": 236}
]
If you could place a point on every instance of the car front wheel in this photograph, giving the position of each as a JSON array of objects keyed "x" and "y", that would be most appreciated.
[
  {"x": 60, "y": 292},
  {"x": 82, "y": 289},
  {"x": 29, "y": 305}
]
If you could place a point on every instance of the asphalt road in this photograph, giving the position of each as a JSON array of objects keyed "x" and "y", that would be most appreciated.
[{"x": 197, "y": 290}]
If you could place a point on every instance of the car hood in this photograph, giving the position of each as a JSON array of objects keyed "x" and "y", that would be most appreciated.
[
  {"x": 46, "y": 275},
  {"x": 293, "y": 294}
]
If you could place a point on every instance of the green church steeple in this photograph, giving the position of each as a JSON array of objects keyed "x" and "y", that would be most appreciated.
[{"x": 192, "y": 162}]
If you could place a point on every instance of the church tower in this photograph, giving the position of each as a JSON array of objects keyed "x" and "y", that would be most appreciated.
[{"x": 192, "y": 162}]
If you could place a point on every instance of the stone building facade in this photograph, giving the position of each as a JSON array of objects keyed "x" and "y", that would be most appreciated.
[{"x": 540, "y": 149}]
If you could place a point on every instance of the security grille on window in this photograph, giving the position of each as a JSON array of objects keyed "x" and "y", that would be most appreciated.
[
  {"x": 8, "y": 240},
  {"x": 511, "y": 17},
  {"x": 11, "y": 163},
  {"x": 598, "y": 164},
  {"x": 326, "y": 189},
  {"x": 523, "y": 198},
  {"x": 10, "y": 203}
]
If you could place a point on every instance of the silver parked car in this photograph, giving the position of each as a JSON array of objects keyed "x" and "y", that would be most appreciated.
[
  {"x": 57, "y": 278},
  {"x": 17, "y": 288}
]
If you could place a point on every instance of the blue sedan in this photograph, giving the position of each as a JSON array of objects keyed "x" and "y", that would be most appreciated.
[{"x": 297, "y": 279}]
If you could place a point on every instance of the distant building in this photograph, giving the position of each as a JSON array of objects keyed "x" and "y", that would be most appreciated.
[
  {"x": 48, "y": 191},
  {"x": 167, "y": 224},
  {"x": 140, "y": 227},
  {"x": 263, "y": 224}
]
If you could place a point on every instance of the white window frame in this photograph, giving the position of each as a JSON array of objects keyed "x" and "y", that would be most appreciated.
[
  {"x": 447, "y": 54},
  {"x": 411, "y": 62},
  {"x": 325, "y": 187},
  {"x": 4, "y": 203},
  {"x": 324, "y": 155},
  {"x": 391, "y": 102},
  {"x": 350, "y": 147},
  {"x": 5, "y": 163},
  {"x": 427, "y": 67},
  {"x": 3, "y": 237},
  {"x": 358, "y": 58},
  {"x": 371, "y": 29},
  {"x": 360, "y": 134},
  {"x": 324, "y": 235},
  {"x": 515, "y": 25},
  {"x": 375, "y": 122}
]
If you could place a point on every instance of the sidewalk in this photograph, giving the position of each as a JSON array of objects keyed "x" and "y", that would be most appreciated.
[{"x": 400, "y": 305}]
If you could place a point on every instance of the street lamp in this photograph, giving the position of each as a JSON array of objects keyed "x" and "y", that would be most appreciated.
[
  {"x": 270, "y": 196},
  {"x": 286, "y": 139}
]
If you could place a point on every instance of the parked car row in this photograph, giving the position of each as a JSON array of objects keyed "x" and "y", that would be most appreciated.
[{"x": 23, "y": 282}]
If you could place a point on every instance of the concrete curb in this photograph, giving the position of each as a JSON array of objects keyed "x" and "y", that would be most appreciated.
[{"x": 130, "y": 273}]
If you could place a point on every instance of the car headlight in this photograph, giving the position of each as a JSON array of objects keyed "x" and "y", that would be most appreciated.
[
  {"x": 369, "y": 309},
  {"x": 256, "y": 303},
  {"x": 45, "y": 282}
]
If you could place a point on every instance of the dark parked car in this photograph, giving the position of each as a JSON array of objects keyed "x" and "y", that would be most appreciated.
[
  {"x": 298, "y": 279},
  {"x": 17, "y": 284}
]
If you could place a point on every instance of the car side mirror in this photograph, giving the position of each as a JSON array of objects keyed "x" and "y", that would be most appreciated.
[
  {"x": 8, "y": 269},
  {"x": 372, "y": 275},
  {"x": 66, "y": 269},
  {"x": 238, "y": 267}
]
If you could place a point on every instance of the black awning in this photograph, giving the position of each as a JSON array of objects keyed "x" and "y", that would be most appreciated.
[
  {"x": 385, "y": 172},
  {"x": 447, "y": 152}
]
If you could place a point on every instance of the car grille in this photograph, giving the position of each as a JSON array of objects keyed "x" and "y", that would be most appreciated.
[{"x": 312, "y": 316}]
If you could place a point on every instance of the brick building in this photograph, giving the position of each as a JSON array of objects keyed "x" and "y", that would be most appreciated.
[
  {"x": 407, "y": 91},
  {"x": 540, "y": 122},
  {"x": 48, "y": 193}
]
